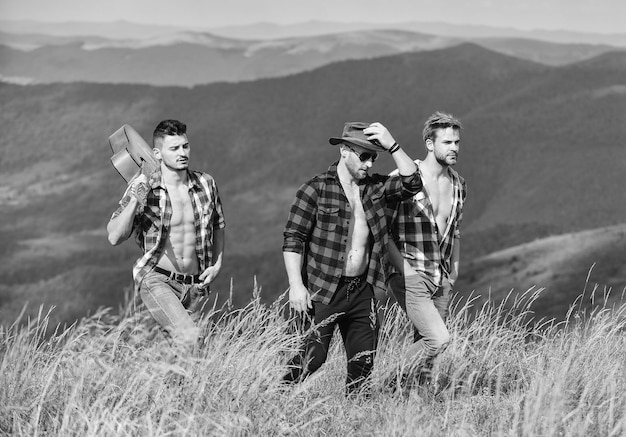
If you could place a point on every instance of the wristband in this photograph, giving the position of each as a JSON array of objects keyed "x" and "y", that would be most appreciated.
[{"x": 393, "y": 149}]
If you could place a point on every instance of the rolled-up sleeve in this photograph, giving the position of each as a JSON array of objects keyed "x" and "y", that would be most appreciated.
[
  {"x": 301, "y": 220},
  {"x": 398, "y": 187},
  {"x": 219, "y": 221}
]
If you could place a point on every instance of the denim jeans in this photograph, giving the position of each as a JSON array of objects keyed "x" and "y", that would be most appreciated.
[
  {"x": 170, "y": 303},
  {"x": 427, "y": 307},
  {"x": 353, "y": 309}
]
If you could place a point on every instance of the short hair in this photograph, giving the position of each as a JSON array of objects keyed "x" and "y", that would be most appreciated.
[
  {"x": 167, "y": 128},
  {"x": 439, "y": 120}
]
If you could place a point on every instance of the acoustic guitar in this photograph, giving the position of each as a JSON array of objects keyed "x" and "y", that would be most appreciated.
[{"x": 131, "y": 154}]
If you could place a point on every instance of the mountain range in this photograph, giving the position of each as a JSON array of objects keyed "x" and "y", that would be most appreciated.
[
  {"x": 263, "y": 31},
  {"x": 542, "y": 152},
  {"x": 186, "y": 58}
]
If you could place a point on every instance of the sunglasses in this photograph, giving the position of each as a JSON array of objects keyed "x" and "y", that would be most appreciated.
[{"x": 364, "y": 156}]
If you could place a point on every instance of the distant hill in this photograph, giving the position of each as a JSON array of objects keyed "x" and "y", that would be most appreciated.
[
  {"x": 313, "y": 28},
  {"x": 542, "y": 150},
  {"x": 196, "y": 58},
  {"x": 112, "y": 30},
  {"x": 263, "y": 30},
  {"x": 207, "y": 58},
  {"x": 566, "y": 265}
]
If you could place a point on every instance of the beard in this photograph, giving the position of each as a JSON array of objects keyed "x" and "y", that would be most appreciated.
[
  {"x": 446, "y": 160},
  {"x": 357, "y": 172}
]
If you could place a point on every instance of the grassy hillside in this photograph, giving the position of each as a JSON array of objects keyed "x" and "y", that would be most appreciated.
[
  {"x": 502, "y": 374},
  {"x": 541, "y": 150},
  {"x": 589, "y": 262}
]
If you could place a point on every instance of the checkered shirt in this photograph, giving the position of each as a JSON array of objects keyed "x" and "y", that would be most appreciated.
[
  {"x": 151, "y": 225},
  {"x": 414, "y": 230},
  {"x": 319, "y": 220}
]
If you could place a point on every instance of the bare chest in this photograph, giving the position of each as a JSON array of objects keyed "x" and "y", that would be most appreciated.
[
  {"x": 440, "y": 194},
  {"x": 356, "y": 206},
  {"x": 182, "y": 208}
]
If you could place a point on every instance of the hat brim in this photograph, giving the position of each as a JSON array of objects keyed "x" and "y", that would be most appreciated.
[{"x": 357, "y": 142}]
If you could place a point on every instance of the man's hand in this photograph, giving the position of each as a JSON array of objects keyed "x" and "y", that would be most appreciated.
[
  {"x": 209, "y": 275},
  {"x": 378, "y": 132},
  {"x": 139, "y": 188},
  {"x": 299, "y": 298}
]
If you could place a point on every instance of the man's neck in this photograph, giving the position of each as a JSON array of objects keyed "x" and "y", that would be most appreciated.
[
  {"x": 434, "y": 168},
  {"x": 345, "y": 176},
  {"x": 174, "y": 177}
]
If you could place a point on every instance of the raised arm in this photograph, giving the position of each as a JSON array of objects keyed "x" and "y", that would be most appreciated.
[
  {"x": 378, "y": 132},
  {"x": 120, "y": 225}
]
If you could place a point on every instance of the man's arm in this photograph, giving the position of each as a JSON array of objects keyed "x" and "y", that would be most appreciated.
[
  {"x": 120, "y": 226},
  {"x": 211, "y": 272},
  {"x": 395, "y": 257},
  {"x": 378, "y": 132},
  {"x": 456, "y": 243},
  {"x": 409, "y": 181},
  {"x": 456, "y": 256},
  {"x": 300, "y": 222},
  {"x": 299, "y": 296}
]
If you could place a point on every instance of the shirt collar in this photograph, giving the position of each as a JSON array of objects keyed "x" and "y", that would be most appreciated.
[{"x": 156, "y": 179}]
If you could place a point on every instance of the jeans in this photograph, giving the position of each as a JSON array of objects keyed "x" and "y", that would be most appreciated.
[
  {"x": 353, "y": 309},
  {"x": 427, "y": 307},
  {"x": 170, "y": 304}
]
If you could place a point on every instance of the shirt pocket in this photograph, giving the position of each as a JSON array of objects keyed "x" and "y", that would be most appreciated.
[{"x": 327, "y": 217}]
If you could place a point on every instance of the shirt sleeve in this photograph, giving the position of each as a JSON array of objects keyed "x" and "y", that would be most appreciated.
[
  {"x": 122, "y": 203},
  {"x": 398, "y": 187},
  {"x": 301, "y": 220},
  {"x": 219, "y": 221},
  {"x": 457, "y": 230}
]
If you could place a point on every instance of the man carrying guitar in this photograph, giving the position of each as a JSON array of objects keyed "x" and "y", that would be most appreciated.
[{"x": 178, "y": 221}]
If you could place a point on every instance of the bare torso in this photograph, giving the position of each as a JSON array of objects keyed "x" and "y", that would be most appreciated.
[
  {"x": 439, "y": 191},
  {"x": 180, "y": 245},
  {"x": 357, "y": 250}
]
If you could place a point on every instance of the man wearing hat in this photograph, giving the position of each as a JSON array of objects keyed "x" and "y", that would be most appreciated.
[{"x": 335, "y": 248}]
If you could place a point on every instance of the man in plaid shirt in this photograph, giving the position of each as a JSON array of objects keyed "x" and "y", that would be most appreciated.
[
  {"x": 425, "y": 250},
  {"x": 179, "y": 224},
  {"x": 335, "y": 247}
]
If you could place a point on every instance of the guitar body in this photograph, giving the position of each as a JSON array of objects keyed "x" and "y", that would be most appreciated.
[{"x": 131, "y": 154}]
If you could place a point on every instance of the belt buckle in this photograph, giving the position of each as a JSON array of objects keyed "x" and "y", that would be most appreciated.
[{"x": 180, "y": 277}]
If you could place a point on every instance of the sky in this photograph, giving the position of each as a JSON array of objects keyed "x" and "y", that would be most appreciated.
[{"x": 594, "y": 16}]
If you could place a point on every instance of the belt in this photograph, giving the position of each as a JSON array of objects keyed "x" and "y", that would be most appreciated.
[
  {"x": 180, "y": 277},
  {"x": 353, "y": 283}
]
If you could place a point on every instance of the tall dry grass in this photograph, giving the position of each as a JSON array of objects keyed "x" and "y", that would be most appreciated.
[{"x": 504, "y": 373}]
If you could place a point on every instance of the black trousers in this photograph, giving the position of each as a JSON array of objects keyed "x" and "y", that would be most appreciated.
[{"x": 353, "y": 310}]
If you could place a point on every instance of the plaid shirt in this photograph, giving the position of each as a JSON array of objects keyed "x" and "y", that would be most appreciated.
[
  {"x": 415, "y": 231},
  {"x": 318, "y": 224},
  {"x": 151, "y": 225}
]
